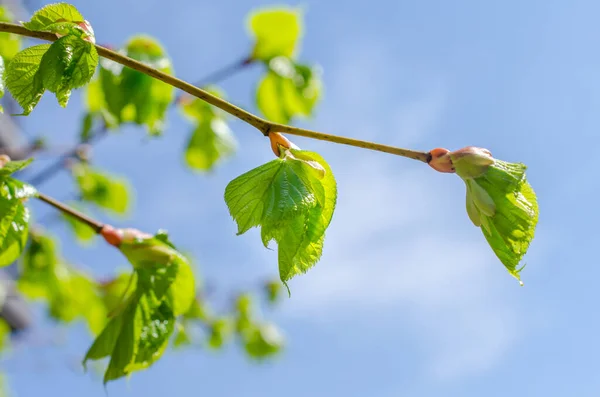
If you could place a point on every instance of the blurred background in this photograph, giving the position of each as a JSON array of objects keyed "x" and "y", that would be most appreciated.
[{"x": 408, "y": 299}]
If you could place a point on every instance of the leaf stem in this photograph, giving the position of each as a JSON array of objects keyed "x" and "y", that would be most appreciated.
[
  {"x": 94, "y": 224},
  {"x": 259, "y": 123}
]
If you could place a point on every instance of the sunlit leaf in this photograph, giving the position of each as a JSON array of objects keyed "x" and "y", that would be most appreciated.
[
  {"x": 211, "y": 140},
  {"x": 14, "y": 216},
  {"x": 22, "y": 79},
  {"x": 10, "y": 43},
  {"x": 69, "y": 63},
  {"x": 276, "y": 32},
  {"x": 143, "y": 322},
  {"x": 132, "y": 96},
  {"x": 263, "y": 341},
  {"x": 61, "y": 18},
  {"x": 288, "y": 90},
  {"x": 69, "y": 293},
  {"x": 104, "y": 190},
  {"x": 292, "y": 199},
  {"x": 501, "y": 202}
]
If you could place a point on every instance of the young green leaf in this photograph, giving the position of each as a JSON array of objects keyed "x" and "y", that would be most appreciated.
[
  {"x": 22, "y": 79},
  {"x": 14, "y": 225},
  {"x": 209, "y": 143},
  {"x": 60, "y": 18},
  {"x": 292, "y": 199},
  {"x": 14, "y": 216},
  {"x": 131, "y": 96},
  {"x": 69, "y": 63},
  {"x": 276, "y": 32},
  {"x": 212, "y": 139},
  {"x": 70, "y": 294},
  {"x": 139, "y": 332},
  {"x": 501, "y": 202},
  {"x": 263, "y": 341},
  {"x": 288, "y": 90},
  {"x": 10, "y": 43},
  {"x": 1, "y": 81},
  {"x": 104, "y": 190}
]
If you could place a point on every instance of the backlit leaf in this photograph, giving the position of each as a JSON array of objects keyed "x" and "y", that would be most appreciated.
[
  {"x": 69, "y": 63},
  {"x": 10, "y": 43},
  {"x": 211, "y": 140},
  {"x": 61, "y": 18},
  {"x": 276, "y": 32},
  {"x": 132, "y": 96},
  {"x": 70, "y": 294},
  {"x": 143, "y": 322},
  {"x": 501, "y": 202},
  {"x": 22, "y": 79},
  {"x": 288, "y": 90},
  {"x": 292, "y": 199},
  {"x": 104, "y": 190},
  {"x": 14, "y": 216}
]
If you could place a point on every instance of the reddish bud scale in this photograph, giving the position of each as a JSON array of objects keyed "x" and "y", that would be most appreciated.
[
  {"x": 3, "y": 160},
  {"x": 440, "y": 160},
  {"x": 112, "y": 236},
  {"x": 278, "y": 140}
]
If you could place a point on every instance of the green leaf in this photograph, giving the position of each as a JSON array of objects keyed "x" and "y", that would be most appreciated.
[
  {"x": 82, "y": 231},
  {"x": 69, "y": 63},
  {"x": 263, "y": 341},
  {"x": 220, "y": 332},
  {"x": 272, "y": 290},
  {"x": 61, "y": 18},
  {"x": 13, "y": 166},
  {"x": 14, "y": 216},
  {"x": 10, "y": 43},
  {"x": 131, "y": 96},
  {"x": 22, "y": 79},
  {"x": 212, "y": 139},
  {"x": 288, "y": 90},
  {"x": 1, "y": 81},
  {"x": 69, "y": 293},
  {"x": 276, "y": 32},
  {"x": 138, "y": 334},
  {"x": 14, "y": 225},
  {"x": 503, "y": 204},
  {"x": 209, "y": 143},
  {"x": 4, "y": 335},
  {"x": 104, "y": 190},
  {"x": 292, "y": 199}
]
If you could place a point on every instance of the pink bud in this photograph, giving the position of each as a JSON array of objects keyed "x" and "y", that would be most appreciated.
[
  {"x": 3, "y": 160},
  {"x": 440, "y": 160},
  {"x": 112, "y": 236}
]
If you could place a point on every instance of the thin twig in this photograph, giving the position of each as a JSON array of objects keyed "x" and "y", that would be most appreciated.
[
  {"x": 94, "y": 224},
  {"x": 214, "y": 77},
  {"x": 259, "y": 123}
]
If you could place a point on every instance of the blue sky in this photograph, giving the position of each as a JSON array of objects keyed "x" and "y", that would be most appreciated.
[{"x": 408, "y": 299}]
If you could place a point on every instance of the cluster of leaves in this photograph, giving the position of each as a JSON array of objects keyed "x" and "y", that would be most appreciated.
[
  {"x": 288, "y": 89},
  {"x": 501, "y": 202},
  {"x": 292, "y": 199},
  {"x": 211, "y": 139},
  {"x": 142, "y": 323},
  {"x": 14, "y": 223},
  {"x": 121, "y": 95},
  {"x": 69, "y": 293},
  {"x": 260, "y": 339},
  {"x": 60, "y": 67}
]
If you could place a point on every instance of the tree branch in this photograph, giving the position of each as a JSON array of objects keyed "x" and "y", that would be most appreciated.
[
  {"x": 259, "y": 123},
  {"x": 94, "y": 224}
]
